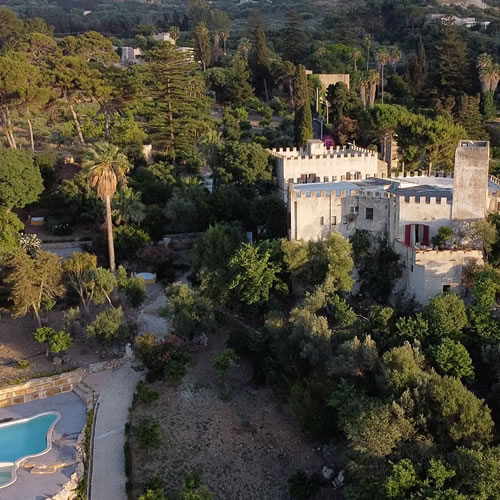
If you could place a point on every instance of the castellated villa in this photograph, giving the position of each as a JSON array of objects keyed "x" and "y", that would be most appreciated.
[{"x": 348, "y": 189}]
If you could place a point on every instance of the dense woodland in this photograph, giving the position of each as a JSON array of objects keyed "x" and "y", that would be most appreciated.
[{"x": 410, "y": 394}]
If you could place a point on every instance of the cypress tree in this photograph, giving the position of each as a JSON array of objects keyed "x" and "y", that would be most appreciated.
[
  {"x": 303, "y": 116},
  {"x": 469, "y": 116}
]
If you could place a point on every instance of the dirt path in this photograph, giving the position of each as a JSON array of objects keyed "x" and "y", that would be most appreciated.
[{"x": 246, "y": 446}]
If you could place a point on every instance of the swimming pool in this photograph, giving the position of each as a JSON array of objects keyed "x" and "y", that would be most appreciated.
[{"x": 22, "y": 439}]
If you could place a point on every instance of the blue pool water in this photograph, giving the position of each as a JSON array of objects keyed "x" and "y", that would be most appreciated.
[{"x": 26, "y": 438}]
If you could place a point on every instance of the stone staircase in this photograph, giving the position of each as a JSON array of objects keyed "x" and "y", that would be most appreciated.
[{"x": 86, "y": 394}]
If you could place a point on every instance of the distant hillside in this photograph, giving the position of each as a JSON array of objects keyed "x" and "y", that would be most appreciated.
[{"x": 465, "y": 3}]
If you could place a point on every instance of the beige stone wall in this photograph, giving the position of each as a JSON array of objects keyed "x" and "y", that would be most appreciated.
[
  {"x": 433, "y": 212},
  {"x": 470, "y": 183},
  {"x": 427, "y": 271},
  {"x": 328, "y": 79},
  {"x": 313, "y": 217},
  {"x": 40, "y": 388}
]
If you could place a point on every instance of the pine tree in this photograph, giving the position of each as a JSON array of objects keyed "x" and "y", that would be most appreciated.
[
  {"x": 303, "y": 116},
  {"x": 176, "y": 91},
  {"x": 295, "y": 39},
  {"x": 417, "y": 68},
  {"x": 239, "y": 87},
  {"x": 453, "y": 61}
]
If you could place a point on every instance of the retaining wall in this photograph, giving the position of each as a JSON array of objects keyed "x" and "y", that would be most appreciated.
[{"x": 40, "y": 388}]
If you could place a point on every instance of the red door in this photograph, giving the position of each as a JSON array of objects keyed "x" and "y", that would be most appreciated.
[
  {"x": 407, "y": 234},
  {"x": 426, "y": 236}
]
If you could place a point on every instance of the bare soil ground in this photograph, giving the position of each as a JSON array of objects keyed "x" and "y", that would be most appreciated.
[
  {"x": 16, "y": 343},
  {"x": 242, "y": 440}
]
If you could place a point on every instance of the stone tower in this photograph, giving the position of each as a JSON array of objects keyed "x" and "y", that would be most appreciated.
[{"x": 470, "y": 184}]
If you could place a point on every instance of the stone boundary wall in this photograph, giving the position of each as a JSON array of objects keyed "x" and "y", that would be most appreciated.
[{"x": 40, "y": 388}]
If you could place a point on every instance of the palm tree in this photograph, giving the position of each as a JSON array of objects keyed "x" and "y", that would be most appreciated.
[
  {"x": 367, "y": 42},
  {"x": 363, "y": 89},
  {"x": 210, "y": 145},
  {"x": 127, "y": 206},
  {"x": 174, "y": 33},
  {"x": 373, "y": 79},
  {"x": 394, "y": 56},
  {"x": 105, "y": 168},
  {"x": 383, "y": 58},
  {"x": 355, "y": 56},
  {"x": 244, "y": 47},
  {"x": 225, "y": 37},
  {"x": 489, "y": 73}
]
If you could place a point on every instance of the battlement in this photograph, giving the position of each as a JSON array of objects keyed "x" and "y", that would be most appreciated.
[
  {"x": 321, "y": 152},
  {"x": 342, "y": 193},
  {"x": 375, "y": 195},
  {"x": 428, "y": 200}
]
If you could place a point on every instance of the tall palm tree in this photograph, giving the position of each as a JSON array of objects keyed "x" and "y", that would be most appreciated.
[
  {"x": 367, "y": 42},
  {"x": 373, "y": 79},
  {"x": 363, "y": 89},
  {"x": 394, "y": 56},
  {"x": 225, "y": 37},
  {"x": 127, "y": 206},
  {"x": 105, "y": 168},
  {"x": 383, "y": 58},
  {"x": 355, "y": 56}
]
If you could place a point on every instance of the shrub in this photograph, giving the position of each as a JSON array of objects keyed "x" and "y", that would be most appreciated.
[
  {"x": 225, "y": 361},
  {"x": 154, "y": 222},
  {"x": 30, "y": 243},
  {"x": 154, "y": 494},
  {"x": 22, "y": 364},
  {"x": 128, "y": 240},
  {"x": 135, "y": 291},
  {"x": 147, "y": 433},
  {"x": 303, "y": 487},
  {"x": 56, "y": 341},
  {"x": 146, "y": 394},
  {"x": 163, "y": 358},
  {"x": 108, "y": 326}
]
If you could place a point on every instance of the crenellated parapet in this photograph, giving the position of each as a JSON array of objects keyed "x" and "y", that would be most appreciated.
[{"x": 339, "y": 152}]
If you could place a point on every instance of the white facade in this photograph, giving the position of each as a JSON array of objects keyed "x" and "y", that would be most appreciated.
[{"x": 316, "y": 163}]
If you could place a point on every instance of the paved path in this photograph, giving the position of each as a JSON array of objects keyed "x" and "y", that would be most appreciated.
[
  {"x": 108, "y": 470},
  {"x": 149, "y": 321}
]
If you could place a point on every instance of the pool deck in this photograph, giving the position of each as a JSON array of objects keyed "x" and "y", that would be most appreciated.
[{"x": 41, "y": 486}]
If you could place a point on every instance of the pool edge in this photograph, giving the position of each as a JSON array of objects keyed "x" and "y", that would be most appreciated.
[{"x": 50, "y": 430}]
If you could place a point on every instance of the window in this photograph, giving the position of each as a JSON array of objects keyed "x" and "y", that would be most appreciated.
[
  {"x": 342, "y": 177},
  {"x": 351, "y": 210},
  {"x": 412, "y": 268},
  {"x": 446, "y": 288},
  {"x": 321, "y": 221},
  {"x": 356, "y": 209},
  {"x": 325, "y": 178},
  {"x": 334, "y": 220},
  {"x": 334, "y": 179},
  {"x": 344, "y": 219},
  {"x": 348, "y": 176},
  {"x": 369, "y": 213}
]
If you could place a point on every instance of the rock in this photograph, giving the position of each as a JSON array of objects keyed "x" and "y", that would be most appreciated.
[
  {"x": 66, "y": 358},
  {"x": 57, "y": 361}
]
